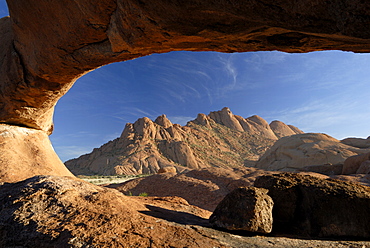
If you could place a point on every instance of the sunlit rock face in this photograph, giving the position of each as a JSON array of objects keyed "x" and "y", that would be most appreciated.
[
  {"x": 220, "y": 139},
  {"x": 47, "y": 46}
]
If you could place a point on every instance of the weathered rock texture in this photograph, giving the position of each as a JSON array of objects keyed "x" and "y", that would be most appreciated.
[
  {"x": 357, "y": 142},
  {"x": 358, "y": 164},
  {"x": 316, "y": 207},
  {"x": 24, "y": 152},
  {"x": 220, "y": 139},
  {"x": 51, "y": 211},
  {"x": 310, "y": 151},
  {"x": 47, "y": 45},
  {"x": 248, "y": 209},
  {"x": 203, "y": 188},
  {"x": 281, "y": 129}
]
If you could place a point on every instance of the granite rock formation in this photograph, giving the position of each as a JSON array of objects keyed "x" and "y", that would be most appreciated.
[
  {"x": 316, "y": 207},
  {"x": 220, "y": 139},
  {"x": 310, "y": 151},
  {"x": 358, "y": 164},
  {"x": 203, "y": 188},
  {"x": 23, "y": 154},
  {"x": 47, "y": 46},
  {"x": 51, "y": 211},
  {"x": 245, "y": 208},
  {"x": 357, "y": 142}
]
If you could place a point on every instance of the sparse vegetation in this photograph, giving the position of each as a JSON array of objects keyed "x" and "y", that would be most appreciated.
[{"x": 100, "y": 179}]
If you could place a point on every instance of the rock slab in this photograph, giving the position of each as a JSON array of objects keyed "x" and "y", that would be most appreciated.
[
  {"x": 245, "y": 208},
  {"x": 310, "y": 206}
]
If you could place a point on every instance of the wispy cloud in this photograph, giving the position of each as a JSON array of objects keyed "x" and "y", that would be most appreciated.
[
  {"x": 259, "y": 60},
  {"x": 182, "y": 120},
  {"x": 336, "y": 117},
  {"x": 69, "y": 152}
]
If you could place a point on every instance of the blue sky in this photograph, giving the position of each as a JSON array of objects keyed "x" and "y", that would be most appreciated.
[{"x": 318, "y": 92}]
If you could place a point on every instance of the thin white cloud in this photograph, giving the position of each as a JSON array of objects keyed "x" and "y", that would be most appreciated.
[
  {"x": 69, "y": 152},
  {"x": 182, "y": 120}
]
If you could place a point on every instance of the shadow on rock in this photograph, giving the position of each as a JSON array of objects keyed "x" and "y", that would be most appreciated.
[{"x": 182, "y": 218}]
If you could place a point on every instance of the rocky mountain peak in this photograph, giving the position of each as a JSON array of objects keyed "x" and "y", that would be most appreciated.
[
  {"x": 281, "y": 129},
  {"x": 163, "y": 121},
  {"x": 202, "y": 119},
  {"x": 220, "y": 139}
]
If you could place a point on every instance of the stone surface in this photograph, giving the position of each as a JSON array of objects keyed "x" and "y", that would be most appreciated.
[
  {"x": 51, "y": 211},
  {"x": 317, "y": 207},
  {"x": 364, "y": 168},
  {"x": 84, "y": 35},
  {"x": 300, "y": 151},
  {"x": 219, "y": 139},
  {"x": 245, "y": 208},
  {"x": 167, "y": 169},
  {"x": 24, "y": 152},
  {"x": 203, "y": 188},
  {"x": 357, "y": 142},
  {"x": 281, "y": 129},
  {"x": 353, "y": 163},
  {"x": 326, "y": 169}
]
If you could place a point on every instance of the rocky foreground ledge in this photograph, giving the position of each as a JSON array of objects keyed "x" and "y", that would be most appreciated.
[{"x": 52, "y": 211}]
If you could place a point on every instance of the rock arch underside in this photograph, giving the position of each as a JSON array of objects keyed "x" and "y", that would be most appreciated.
[{"x": 46, "y": 45}]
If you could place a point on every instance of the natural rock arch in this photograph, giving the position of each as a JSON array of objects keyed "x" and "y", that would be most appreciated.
[{"x": 48, "y": 44}]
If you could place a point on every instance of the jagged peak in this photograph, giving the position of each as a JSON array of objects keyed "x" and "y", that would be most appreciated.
[
  {"x": 163, "y": 121},
  {"x": 202, "y": 119}
]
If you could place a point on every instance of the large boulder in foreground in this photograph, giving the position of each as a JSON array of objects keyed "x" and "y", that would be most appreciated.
[
  {"x": 310, "y": 206},
  {"x": 245, "y": 208},
  {"x": 297, "y": 152}
]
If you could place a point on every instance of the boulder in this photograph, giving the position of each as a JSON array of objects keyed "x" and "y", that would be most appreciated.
[
  {"x": 246, "y": 208},
  {"x": 203, "y": 188},
  {"x": 326, "y": 169},
  {"x": 357, "y": 142},
  {"x": 168, "y": 169},
  {"x": 281, "y": 129},
  {"x": 295, "y": 152},
  {"x": 364, "y": 168},
  {"x": 316, "y": 207},
  {"x": 353, "y": 163}
]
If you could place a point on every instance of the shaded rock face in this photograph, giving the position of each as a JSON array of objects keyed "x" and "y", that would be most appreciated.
[
  {"x": 248, "y": 209},
  {"x": 203, "y": 188},
  {"x": 219, "y": 139},
  {"x": 316, "y": 207},
  {"x": 358, "y": 164},
  {"x": 305, "y": 151}
]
